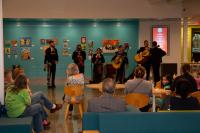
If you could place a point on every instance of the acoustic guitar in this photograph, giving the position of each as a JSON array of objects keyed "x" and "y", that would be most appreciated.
[
  {"x": 142, "y": 57},
  {"x": 117, "y": 62}
]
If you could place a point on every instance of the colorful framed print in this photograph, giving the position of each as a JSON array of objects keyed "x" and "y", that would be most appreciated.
[
  {"x": 26, "y": 54},
  {"x": 25, "y": 42},
  {"x": 110, "y": 46},
  {"x": 7, "y": 51}
]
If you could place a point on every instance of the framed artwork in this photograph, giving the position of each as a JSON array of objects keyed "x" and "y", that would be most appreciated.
[
  {"x": 25, "y": 42},
  {"x": 7, "y": 51},
  {"x": 14, "y": 50},
  {"x": 83, "y": 40},
  {"x": 195, "y": 46},
  {"x": 65, "y": 52},
  {"x": 110, "y": 46},
  {"x": 14, "y": 43},
  {"x": 160, "y": 34},
  {"x": 42, "y": 41},
  {"x": 26, "y": 54},
  {"x": 7, "y": 43}
]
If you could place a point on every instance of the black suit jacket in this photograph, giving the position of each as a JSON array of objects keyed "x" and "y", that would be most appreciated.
[{"x": 51, "y": 56}]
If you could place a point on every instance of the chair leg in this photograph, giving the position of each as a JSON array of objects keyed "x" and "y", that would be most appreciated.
[
  {"x": 67, "y": 111},
  {"x": 80, "y": 109}
]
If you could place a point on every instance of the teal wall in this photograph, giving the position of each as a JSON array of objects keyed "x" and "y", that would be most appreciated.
[{"x": 125, "y": 31}]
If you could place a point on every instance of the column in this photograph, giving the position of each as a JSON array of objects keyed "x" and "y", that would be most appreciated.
[
  {"x": 1, "y": 56},
  {"x": 185, "y": 39}
]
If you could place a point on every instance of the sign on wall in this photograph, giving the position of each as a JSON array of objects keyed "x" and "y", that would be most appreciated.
[{"x": 160, "y": 35}]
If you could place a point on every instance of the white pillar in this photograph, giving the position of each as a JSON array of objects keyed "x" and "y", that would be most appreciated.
[
  {"x": 185, "y": 39},
  {"x": 1, "y": 56}
]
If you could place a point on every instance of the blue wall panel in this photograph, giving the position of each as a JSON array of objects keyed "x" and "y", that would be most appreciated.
[{"x": 125, "y": 31}]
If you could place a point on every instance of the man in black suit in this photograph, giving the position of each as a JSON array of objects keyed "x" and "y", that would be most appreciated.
[
  {"x": 79, "y": 57},
  {"x": 146, "y": 64},
  {"x": 50, "y": 61},
  {"x": 156, "y": 59}
]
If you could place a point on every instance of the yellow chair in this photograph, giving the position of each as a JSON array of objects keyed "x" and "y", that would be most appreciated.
[
  {"x": 137, "y": 100},
  {"x": 196, "y": 95},
  {"x": 74, "y": 91},
  {"x": 158, "y": 84}
]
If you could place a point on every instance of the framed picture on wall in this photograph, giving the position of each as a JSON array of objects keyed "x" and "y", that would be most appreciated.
[
  {"x": 26, "y": 54},
  {"x": 25, "y": 42},
  {"x": 195, "y": 46},
  {"x": 160, "y": 34},
  {"x": 110, "y": 46}
]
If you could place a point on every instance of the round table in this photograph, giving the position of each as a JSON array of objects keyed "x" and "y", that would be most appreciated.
[{"x": 99, "y": 86}]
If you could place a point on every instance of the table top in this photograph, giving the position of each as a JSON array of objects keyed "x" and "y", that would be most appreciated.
[{"x": 99, "y": 86}]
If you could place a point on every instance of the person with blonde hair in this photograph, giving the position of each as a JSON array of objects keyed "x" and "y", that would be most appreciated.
[{"x": 74, "y": 77}]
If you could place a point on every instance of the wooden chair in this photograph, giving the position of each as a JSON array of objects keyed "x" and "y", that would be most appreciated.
[
  {"x": 196, "y": 95},
  {"x": 158, "y": 85},
  {"x": 73, "y": 91},
  {"x": 137, "y": 100}
]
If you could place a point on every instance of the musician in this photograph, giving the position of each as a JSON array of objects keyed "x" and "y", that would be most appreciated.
[
  {"x": 156, "y": 59},
  {"x": 98, "y": 60},
  {"x": 50, "y": 61},
  {"x": 79, "y": 56},
  {"x": 120, "y": 59},
  {"x": 145, "y": 51}
]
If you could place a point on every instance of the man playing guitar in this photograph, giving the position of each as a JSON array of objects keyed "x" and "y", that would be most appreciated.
[
  {"x": 79, "y": 57},
  {"x": 145, "y": 53},
  {"x": 119, "y": 62}
]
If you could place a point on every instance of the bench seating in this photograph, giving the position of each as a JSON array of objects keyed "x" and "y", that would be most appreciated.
[
  {"x": 162, "y": 122},
  {"x": 16, "y": 125}
]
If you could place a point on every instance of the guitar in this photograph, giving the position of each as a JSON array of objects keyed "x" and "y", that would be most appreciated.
[
  {"x": 142, "y": 57},
  {"x": 117, "y": 62}
]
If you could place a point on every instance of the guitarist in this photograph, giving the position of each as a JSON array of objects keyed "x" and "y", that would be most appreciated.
[
  {"x": 79, "y": 57},
  {"x": 122, "y": 60},
  {"x": 146, "y": 63}
]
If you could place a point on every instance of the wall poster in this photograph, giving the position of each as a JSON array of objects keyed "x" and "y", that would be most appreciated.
[{"x": 160, "y": 34}]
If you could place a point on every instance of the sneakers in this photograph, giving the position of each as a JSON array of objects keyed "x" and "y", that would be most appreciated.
[{"x": 58, "y": 107}]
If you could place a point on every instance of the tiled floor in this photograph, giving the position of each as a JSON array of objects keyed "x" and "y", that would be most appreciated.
[{"x": 58, "y": 123}]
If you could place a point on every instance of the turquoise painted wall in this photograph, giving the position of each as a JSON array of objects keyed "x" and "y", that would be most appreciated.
[{"x": 125, "y": 31}]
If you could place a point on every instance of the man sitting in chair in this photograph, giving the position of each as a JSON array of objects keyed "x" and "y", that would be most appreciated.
[{"x": 107, "y": 102}]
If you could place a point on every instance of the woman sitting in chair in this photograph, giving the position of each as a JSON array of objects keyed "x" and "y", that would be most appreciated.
[{"x": 73, "y": 78}]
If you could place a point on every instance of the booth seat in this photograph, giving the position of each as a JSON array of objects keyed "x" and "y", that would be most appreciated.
[
  {"x": 126, "y": 122},
  {"x": 16, "y": 125}
]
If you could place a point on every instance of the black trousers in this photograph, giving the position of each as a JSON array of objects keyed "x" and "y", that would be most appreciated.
[
  {"x": 147, "y": 66},
  {"x": 156, "y": 72},
  {"x": 81, "y": 69},
  {"x": 51, "y": 73},
  {"x": 120, "y": 74}
]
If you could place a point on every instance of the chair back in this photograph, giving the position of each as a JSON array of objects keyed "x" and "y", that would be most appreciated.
[
  {"x": 158, "y": 85},
  {"x": 137, "y": 100},
  {"x": 74, "y": 90},
  {"x": 196, "y": 95}
]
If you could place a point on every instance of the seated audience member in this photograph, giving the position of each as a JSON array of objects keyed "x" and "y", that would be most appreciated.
[
  {"x": 185, "y": 74},
  {"x": 20, "y": 103},
  {"x": 139, "y": 84},
  {"x": 182, "y": 100},
  {"x": 166, "y": 82},
  {"x": 107, "y": 102},
  {"x": 17, "y": 71},
  {"x": 8, "y": 80},
  {"x": 73, "y": 78}
]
